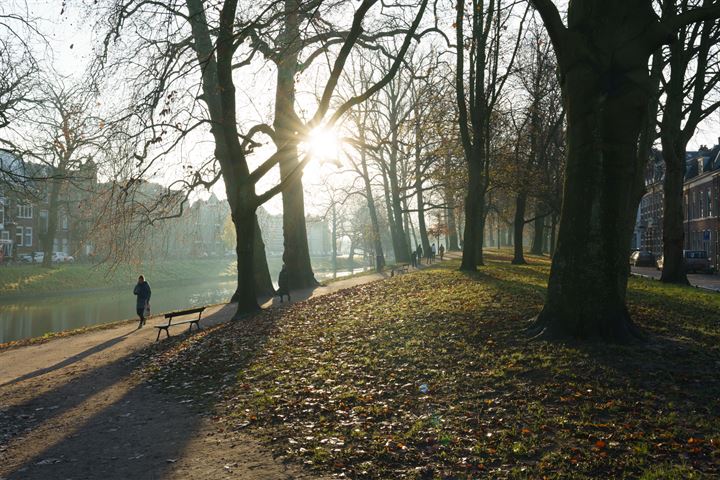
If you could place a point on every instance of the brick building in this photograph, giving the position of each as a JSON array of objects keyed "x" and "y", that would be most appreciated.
[{"x": 701, "y": 198}]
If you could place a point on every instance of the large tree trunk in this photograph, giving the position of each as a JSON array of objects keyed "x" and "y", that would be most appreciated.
[
  {"x": 603, "y": 56},
  {"x": 519, "y": 227},
  {"x": 673, "y": 232},
  {"x": 474, "y": 219},
  {"x": 245, "y": 295},
  {"x": 372, "y": 211},
  {"x": 553, "y": 235},
  {"x": 296, "y": 254},
  {"x": 394, "y": 234},
  {"x": 219, "y": 96},
  {"x": 588, "y": 278},
  {"x": 453, "y": 244},
  {"x": 402, "y": 252},
  {"x": 539, "y": 233},
  {"x": 261, "y": 272}
]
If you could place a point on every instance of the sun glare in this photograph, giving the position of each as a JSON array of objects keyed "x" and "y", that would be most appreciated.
[{"x": 323, "y": 145}]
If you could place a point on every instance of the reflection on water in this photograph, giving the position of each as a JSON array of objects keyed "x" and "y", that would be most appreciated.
[{"x": 36, "y": 316}]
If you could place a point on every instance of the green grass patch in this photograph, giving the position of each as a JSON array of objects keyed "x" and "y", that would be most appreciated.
[{"x": 429, "y": 375}]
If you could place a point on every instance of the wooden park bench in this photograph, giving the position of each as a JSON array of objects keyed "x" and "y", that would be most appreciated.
[
  {"x": 399, "y": 268},
  {"x": 180, "y": 313}
]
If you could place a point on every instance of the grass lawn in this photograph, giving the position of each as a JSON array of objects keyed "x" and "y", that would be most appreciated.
[{"x": 429, "y": 375}]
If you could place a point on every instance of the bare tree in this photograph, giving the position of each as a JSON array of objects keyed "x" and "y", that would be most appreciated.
[
  {"x": 221, "y": 40},
  {"x": 486, "y": 79},
  {"x": 693, "y": 76},
  {"x": 603, "y": 55}
]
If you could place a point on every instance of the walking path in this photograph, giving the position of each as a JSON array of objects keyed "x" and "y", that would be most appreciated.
[
  {"x": 699, "y": 280},
  {"x": 71, "y": 409}
]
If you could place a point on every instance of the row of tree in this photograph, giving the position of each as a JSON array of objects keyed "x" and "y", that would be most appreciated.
[{"x": 463, "y": 118}]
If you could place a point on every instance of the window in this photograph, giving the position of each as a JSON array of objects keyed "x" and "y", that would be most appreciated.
[
  {"x": 709, "y": 202},
  {"x": 25, "y": 211},
  {"x": 19, "y": 236},
  {"x": 702, "y": 205},
  {"x": 5, "y": 235},
  {"x": 28, "y": 236},
  {"x": 64, "y": 222},
  {"x": 2, "y": 211},
  {"x": 43, "y": 221}
]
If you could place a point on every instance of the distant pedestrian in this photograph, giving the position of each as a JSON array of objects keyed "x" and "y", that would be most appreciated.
[
  {"x": 142, "y": 291},
  {"x": 434, "y": 251},
  {"x": 428, "y": 256},
  {"x": 283, "y": 283},
  {"x": 441, "y": 251},
  {"x": 419, "y": 251},
  {"x": 413, "y": 259}
]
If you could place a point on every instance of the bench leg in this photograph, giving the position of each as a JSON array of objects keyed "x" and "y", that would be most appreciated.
[{"x": 158, "y": 335}]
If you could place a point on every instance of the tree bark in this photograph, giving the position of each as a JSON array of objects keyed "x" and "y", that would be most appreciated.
[
  {"x": 296, "y": 254},
  {"x": 261, "y": 272},
  {"x": 603, "y": 56},
  {"x": 605, "y": 111},
  {"x": 474, "y": 206},
  {"x": 673, "y": 227},
  {"x": 519, "y": 227},
  {"x": 538, "y": 246},
  {"x": 219, "y": 96},
  {"x": 372, "y": 211}
]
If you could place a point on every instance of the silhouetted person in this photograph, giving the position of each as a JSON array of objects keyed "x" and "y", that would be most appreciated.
[
  {"x": 413, "y": 259},
  {"x": 433, "y": 251},
  {"x": 283, "y": 284},
  {"x": 441, "y": 251},
  {"x": 419, "y": 254},
  {"x": 142, "y": 291}
]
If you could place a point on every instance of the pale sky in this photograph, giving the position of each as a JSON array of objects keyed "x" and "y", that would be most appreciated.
[{"x": 71, "y": 42}]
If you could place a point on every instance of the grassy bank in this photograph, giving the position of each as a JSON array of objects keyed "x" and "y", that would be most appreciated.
[
  {"x": 429, "y": 375},
  {"x": 30, "y": 279}
]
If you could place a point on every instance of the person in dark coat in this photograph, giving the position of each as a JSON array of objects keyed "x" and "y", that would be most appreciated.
[
  {"x": 283, "y": 284},
  {"x": 419, "y": 254},
  {"x": 142, "y": 291}
]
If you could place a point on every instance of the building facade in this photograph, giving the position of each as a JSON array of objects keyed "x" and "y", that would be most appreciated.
[{"x": 701, "y": 204}]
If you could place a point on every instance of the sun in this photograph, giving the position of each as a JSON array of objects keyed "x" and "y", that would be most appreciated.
[{"x": 323, "y": 145}]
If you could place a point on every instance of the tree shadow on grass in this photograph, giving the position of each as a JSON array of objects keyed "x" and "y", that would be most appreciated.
[
  {"x": 677, "y": 362},
  {"x": 108, "y": 422}
]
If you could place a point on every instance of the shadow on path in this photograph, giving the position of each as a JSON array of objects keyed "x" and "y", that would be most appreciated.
[
  {"x": 108, "y": 422},
  {"x": 70, "y": 360}
]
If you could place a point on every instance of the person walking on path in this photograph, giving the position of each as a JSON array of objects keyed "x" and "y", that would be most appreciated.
[
  {"x": 142, "y": 291},
  {"x": 441, "y": 251},
  {"x": 419, "y": 254},
  {"x": 283, "y": 283},
  {"x": 413, "y": 259},
  {"x": 434, "y": 251}
]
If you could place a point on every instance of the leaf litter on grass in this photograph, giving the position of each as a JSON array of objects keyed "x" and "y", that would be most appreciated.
[{"x": 428, "y": 375}]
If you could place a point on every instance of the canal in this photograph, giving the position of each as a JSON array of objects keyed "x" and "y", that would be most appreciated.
[{"x": 34, "y": 316}]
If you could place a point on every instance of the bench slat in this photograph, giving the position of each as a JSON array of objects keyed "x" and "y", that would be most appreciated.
[{"x": 184, "y": 312}]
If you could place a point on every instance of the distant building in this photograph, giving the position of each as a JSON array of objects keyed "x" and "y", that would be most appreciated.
[
  {"x": 701, "y": 204},
  {"x": 319, "y": 237},
  {"x": 24, "y": 207},
  {"x": 271, "y": 226}
]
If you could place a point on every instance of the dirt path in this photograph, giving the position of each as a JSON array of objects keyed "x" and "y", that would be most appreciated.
[{"x": 71, "y": 409}]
